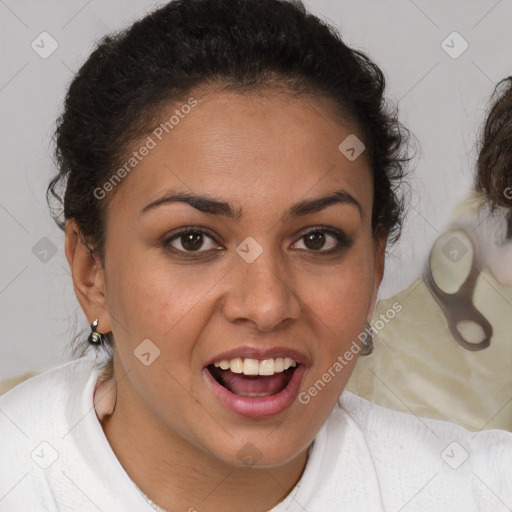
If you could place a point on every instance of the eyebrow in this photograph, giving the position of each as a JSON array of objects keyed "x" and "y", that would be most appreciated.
[{"x": 214, "y": 206}]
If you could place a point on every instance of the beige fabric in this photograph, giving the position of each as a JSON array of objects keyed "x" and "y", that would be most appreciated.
[{"x": 418, "y": 367}]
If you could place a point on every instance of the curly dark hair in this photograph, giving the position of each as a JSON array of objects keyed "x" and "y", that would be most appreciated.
[
  {"x": 240, "y": 45},
  {"x": 494, "y": 165}
]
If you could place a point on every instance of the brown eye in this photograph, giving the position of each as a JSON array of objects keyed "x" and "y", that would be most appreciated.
[
  {"x": 324, "y": 240},
  {"x": 314, "y": 240},
  {"x": 191, "y": 240}
]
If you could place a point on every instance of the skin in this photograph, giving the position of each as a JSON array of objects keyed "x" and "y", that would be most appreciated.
[{"x": 261, "y": 153}]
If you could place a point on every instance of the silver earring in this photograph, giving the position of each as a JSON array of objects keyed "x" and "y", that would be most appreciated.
[
  {"x": 96, "y": 338},
  {"x": 367, "y": 343}
]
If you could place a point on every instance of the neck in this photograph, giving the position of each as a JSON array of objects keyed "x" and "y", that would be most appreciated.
[{"x": 177, "y": 475}]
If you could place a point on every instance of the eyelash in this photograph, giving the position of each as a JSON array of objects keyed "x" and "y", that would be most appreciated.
[{"x": 344, "y": 241}]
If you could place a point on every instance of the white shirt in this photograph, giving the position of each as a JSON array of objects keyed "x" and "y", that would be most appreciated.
[{"x": 54, "y": 456}]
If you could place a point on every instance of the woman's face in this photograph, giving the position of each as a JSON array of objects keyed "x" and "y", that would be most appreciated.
[{"x": 269, "y": 269}]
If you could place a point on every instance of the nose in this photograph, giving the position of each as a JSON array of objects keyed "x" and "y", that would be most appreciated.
[{"x": 261, "y": 293}]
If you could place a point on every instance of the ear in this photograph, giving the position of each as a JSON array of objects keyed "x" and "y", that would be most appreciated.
[
  {"x": 379, "y": 255},
  {"x": 88, "y": 277}
]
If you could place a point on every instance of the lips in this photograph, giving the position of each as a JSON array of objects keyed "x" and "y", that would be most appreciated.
[{"x": 255, "y": 383}]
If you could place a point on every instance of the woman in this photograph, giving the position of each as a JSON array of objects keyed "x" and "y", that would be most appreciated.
[{"x": 229, "y": 173}]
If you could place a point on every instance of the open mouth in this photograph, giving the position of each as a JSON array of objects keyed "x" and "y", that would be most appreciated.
[{"x": 252, "y": 377}]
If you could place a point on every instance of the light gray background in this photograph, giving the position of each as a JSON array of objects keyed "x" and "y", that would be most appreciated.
[{"x": 441, "y": 99}]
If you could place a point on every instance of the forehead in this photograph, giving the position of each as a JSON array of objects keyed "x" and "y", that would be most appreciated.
[{"x": 248, "y": 147}]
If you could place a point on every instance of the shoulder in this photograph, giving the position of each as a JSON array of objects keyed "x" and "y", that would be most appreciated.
[
  {"x": 374, "y": 419},
  {"x": 49, "y": 387},
  {"x": 54, "y": 453},
  {"x": 471, "y": 470},
  {"x": 44, "y": 403}
]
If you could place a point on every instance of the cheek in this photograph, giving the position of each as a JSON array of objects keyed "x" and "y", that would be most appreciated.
[
  {"x": 341, "y": 296},
  {"x": 338, "y": 304},
  {"x": 157, "y": 299}
]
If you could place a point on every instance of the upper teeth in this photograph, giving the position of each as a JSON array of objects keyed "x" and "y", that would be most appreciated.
[{"x": 255, "y": 367}]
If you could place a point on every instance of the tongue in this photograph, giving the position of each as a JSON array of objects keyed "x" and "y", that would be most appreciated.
[{"x": 245, "y": 385}]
